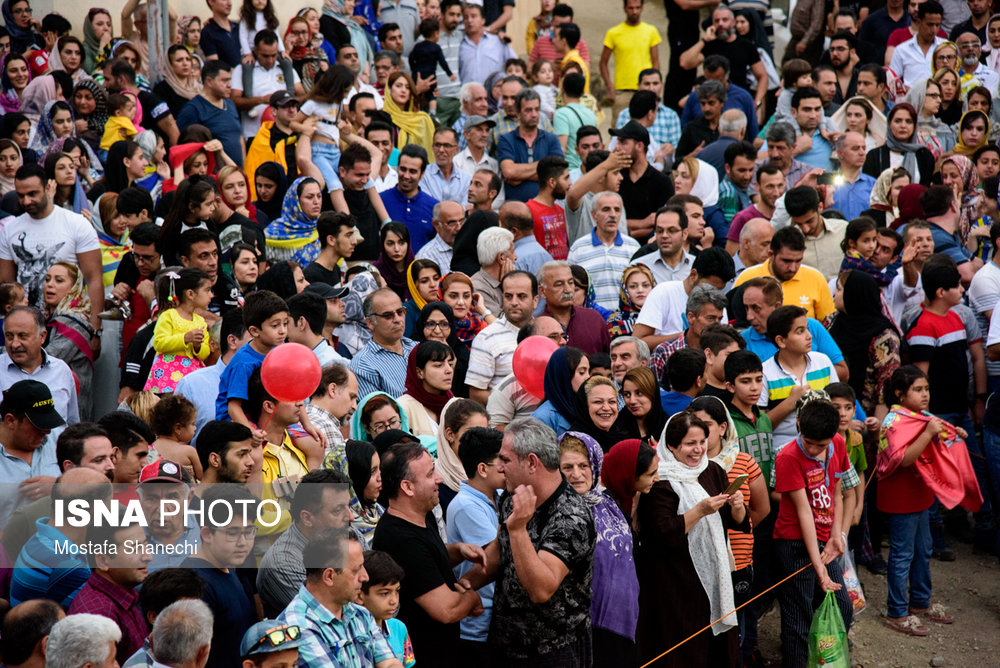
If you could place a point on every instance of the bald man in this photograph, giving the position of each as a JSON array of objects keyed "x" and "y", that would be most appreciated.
[
  {"x": 516, "y": 217},
  {"x": 755, "y": 243},
  {"x": 25, "y": 629},
  {"x": 852, "y": 195}
]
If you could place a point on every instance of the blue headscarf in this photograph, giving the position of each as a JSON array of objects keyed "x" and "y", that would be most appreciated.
[
  {"x": 358, "y": 432},
  {"x": 558, "y": 384},
  {"x": 20, "y": 38},
  {"x": 293, "y": 236}
]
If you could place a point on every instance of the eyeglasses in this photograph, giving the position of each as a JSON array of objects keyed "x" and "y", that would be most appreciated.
[
  {"x": 277, "y": 637},
  {"x": 387, "y": 315},
  {"x": 437, "y": 324},
  {"x": 234, "y": 535},
  {"x": 947, "y": 57},
  {"x": 933, "y": 96},
  {"x": 138, "y": 257},
  {"x": 391, "y": 423},
  {"x": 22, "y": 11},
  {"x": 558, "y": 337},
  {"x": 444, "y": 146}
]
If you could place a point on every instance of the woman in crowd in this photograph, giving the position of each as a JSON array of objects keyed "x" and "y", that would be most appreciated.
[
  {"x": 364, "y": 469},
  {"x": 429, "y": 370},
  {"x": 235, "y": 189},
  {"x": 61, "y": 168},
  {"x": 308, "y": 60},
  {"x": 959, "y": 174},
  {"x": 157, "y": 171},
  {"x": 293, "y": 235},
  {"x": 68, "y": 57},
  {"x": 394, "y": 257},
  {"x": 471, "y": 314},
  {"x": 459, "y": 416},
  {"x": 189, "y": 36},
  {"x": 980, "y": 99},
  {"x": 698, "y": 178},
  {"x": 565, "y": 374},
  {"x": 901, "y": 148},
  {"x": 90, "y": 108},
  {"x": 884, "y": 199},
  {"x": 17, "y": 128},
  {"x": 193, "y": 205},
  {"x": 583, "y": 291},
  {"x": 423, "y": 279},
  {"x": 597, "y": 411},
  {"x": 130, "y": 52},
  {"x": 376, "y": 413},
  {"x": 339, "y": 28},
  {"x": 98, "y": 32},
  {"x": 858, "y": 115},
  {"x": 284, "y": 279},
  {"x": 932, "y": 132},
  {"x": 246, "y": 268},
  {"x": 180, "y": 82},
  {"x": 630, "y": 469},
  {"x": 67, "y": 307},
  {"x": 318, "y": 39},
  {"x": 10, "y": 161},
  {"x": 945, "y": 55},
  {"x": 869, "y": 340},
  {"x": 415, "y": 126},
  {"x": 43, "y": 89},
  {"x": 126, "y": 164},
  {"x": 637, "y": 283},
  {"x": 643, "y": 417},
  {"x": 614, "y": 606},
  {"x": 21, "y": 26},
  {"x": 973, "y": 132},
  {"x": 951, "y": 100},
  {"x": 684, "y": 555},
  {"x": 437, "y": 323},
  {"x": 268, "y": 189},
  {"x": 56, "y": 122},
  {"x": 14, "y": 79},
  {"x": 112, "y": 233}
]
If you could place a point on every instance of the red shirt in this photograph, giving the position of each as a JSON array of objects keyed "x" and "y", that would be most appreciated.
[
  {"x": 103, "y": 597},
  {"x": 550, "y": 228},
  {"x": 900, "y": 35},
  {"x": 795, "y": 470}
]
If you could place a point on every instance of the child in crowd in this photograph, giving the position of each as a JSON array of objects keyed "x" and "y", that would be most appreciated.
[
  {"x": 425, "y": 58},
  {"x": 257, "y": 15},
  {"x": 323, "y": 109},
  {"x": 808, "y": 528},
  {"x": 180, "y": 337},
  {"x": 718, "y": 341},
  {"x": 543, "y": 76},
  {"x": 906, "y": 500},
  {"x": 842, "y": 396},
  {"x": 796, "y": 74},
  {"x": 121, "y": 110},
  {"x": 600, "y": 364},
  {"x": 793, "y": 370},
  {"x": 686, "y": 375},
  {"x": 515, "y": 67},
  {"x": 141, "y": 405},
  {"x": 380, "y": 595},
  {"x": 859, "y": 244},
  {"x": 11, "y": 294},
  {"x": 172, "y": 420}
]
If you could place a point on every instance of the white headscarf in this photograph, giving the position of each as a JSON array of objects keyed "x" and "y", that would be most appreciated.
[
  {"x": 448, "y": 465},
  {"x": 706, "y": 539},
  {"x": 706, "y": 186}
]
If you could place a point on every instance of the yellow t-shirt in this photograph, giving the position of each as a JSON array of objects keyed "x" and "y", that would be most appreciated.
[
  {"x": 631, "y": 46},
  {"x": 574, "y": 56},
  {"x": 807, "y": 289},
  {"x": 113, "y": 131}
]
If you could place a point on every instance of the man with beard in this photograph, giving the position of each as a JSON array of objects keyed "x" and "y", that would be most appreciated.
[
  {"x": 770, "y": 186},
  {"x": 979, "y": 16},
  {"x": 199, "y": 248},
  {"x": 842, "y": 56},
  {"x": 548, "y": 216},
  {"x": 704, "y": 129},
  {"x": 734, "y": 190},
  {"x": 970, "y": 49},
  {"x": 520, "y": 150},
  {"x": 644, "y": 189},
  {"x": 407, "y": 202},
  {"x": 224, "y": 450}
]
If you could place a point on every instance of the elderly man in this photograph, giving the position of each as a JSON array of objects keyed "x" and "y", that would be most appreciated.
[
  {"x": 473, "y": 98},
  {"x": 214, "y": 108},
  {"x": 507, "y": 118},
  {"x": 495, "y": 251},
  {"x": 381, "y": 364},
  {"x": 770, "y": 185},
  {"x": 706, "y": 305},
  {"x": 852, "y": 196},
  {"x": 780, "y": 153},
  {"x": 704, "y": 129},
  {"x": 670, "y": 261},
  {"x": 448, "y": 218},
  {"x": 755, "y": 244},
  {"x": 627, "y": 353},
  {"x": 520, "y": 150},
  {"x": 509, "y": 400},
  {"x": 442, "y": 180},
  {"x": 531, "y": 255},
  {"x": 585, "y": 328},
  {"x": 433, "y": 604},
  {"x": 732, "y": 129},
  {"x": 823, "y": 235},
  {"x": 23, "y": 358},
  {"x": 473, "y": 155},
  {"x": 182, "y": 634},
  {"x": 605, "y": 252},
  {"x": 970, "y": 50},
  {"x": 82, "y": 641}
]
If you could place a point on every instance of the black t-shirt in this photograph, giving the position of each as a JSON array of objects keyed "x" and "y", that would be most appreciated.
[
  {"x": 368, "y": 224},
  {"x": 422, "y": 555},
  {"x": 173, "y": 99},
  {"x": 232, "y": 609},
  {"x": 154, "y": 110},
  {"x": 240, "y": 228},
  {"x": 317, "y": 273},
  {"x": 139, "y": 359},
  {"x": 718, "y": 392},
  {"x": 492, "y": 9},
  {"x": 741, "y": 54},
  {"x": 646, "y": 195},
  {"x": 225, "y": 295}
]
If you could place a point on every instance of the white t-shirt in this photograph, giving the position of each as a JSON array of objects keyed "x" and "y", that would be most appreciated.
[
  {"x": 984, "y": 293},
  {"x": 664, "y": 308},
  {"x": 328, "y": 115},
  {"x": 34, "y": 245},
  {"x": 265, "y": 82}
]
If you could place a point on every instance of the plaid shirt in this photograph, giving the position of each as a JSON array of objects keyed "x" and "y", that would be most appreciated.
[
  {"x": 662, "y": 352},
  {"x": 101, "y": 596},
  {"x": 732, "y": 200},
  {"x": 505, "y": 125},
  {"x": 353, "y": 640},
  {"x": 666, "y": 128}
]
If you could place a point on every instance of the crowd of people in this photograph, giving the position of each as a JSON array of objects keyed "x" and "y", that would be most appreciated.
[{"x": 764, "y": 299}]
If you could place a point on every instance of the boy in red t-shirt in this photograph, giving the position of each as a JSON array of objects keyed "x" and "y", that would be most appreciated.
[{"x": 808, "y": 528}]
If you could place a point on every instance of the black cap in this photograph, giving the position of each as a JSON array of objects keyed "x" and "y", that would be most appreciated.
[
  {"x": 327, "y": 291},
  {"x": 35, "y": 401},
  {"x": 282, "y": 98},
  {"x": 631, "y": 130}
]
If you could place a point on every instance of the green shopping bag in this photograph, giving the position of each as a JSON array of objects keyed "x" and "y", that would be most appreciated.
[{"x": 828, "y": 636}]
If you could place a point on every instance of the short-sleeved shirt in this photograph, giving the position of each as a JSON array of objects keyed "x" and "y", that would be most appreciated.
[
  {"x": 822, "y": 342},
  {"x": 778, "y": 384},
  {"x": 949, "y": 244},
  {"x": 232, "y": 608},
  {"x": 742, "y": 54},
  {"x": 472, "y": 518},
  {"x": 217, "y": 41},
  {"x": 566, "y": 121},
  {"x": 550, "y": 228},
  {"x": 604, "y": 263},
  {"x": 807, "y": 288},
  {"x": 235, "y": 379},
  {"x": 512, "y": 146},
  {"x": 984, "y": 292},
  {"x": 646, "y": 195},
  {"x": 941, "y": 341},
  {"x": 741, "y": 542},
  {"x": 416, "y": 212},
  {"x": 562, "y": 526},
  {"x": 34, "y": 245},
  {"x": 631, "y": 45},
  {"x": 664, "y": 308},
  {"x": 796, "y": 470},
  {"x": 491, "y": 355},
  {"x": 224, "y": 124},
  {"x": 422, "y": 555},
  {"x": 42, "y": 572},
  {"x": 154, "y": 110}
]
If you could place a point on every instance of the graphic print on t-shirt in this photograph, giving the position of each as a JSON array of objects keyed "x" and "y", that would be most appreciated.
[{"x": 32, "y": 266}]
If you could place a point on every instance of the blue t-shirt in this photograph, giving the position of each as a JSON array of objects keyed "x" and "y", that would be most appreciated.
[
  {"x": 232, "y": 609},
  {"x": 217, "y": 41},
  {"x": 224, "y": 124},
  {"x": 235, "y": 379},
  {"x": 511, "y": 146},
  {"x": 674, "y": 402},
  {"x": 416, "y": 214},
  {"x": 949, "y": 244},
  {"x": 822, "y": 343}
]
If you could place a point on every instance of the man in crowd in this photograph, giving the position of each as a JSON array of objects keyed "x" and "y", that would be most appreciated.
[
  {"x": 407, "y": 202},
  {"x": 970, "y": 50},
  {"x": 582, "y": 324},
  {"x": 25, "y": 632},
  {"x": 214, "y": 108},
  {"x": 450, "y": 41},
  {"x": 520, "y": 150},
  {"x": 644, "y": 189},
  {"x": 381, "y": 364},
  {"x": 770, "y": 183},
  {"x": 552, "y": 174},
  {"x": 704, "y": 129},
  {"x": 941, "y": 209},
  {"x": 717, "y": 68},
  {"x": 474, "y": 103},
  {"x": 823, "y": 234},
  {"x": 781, "y": 146},
  {"x": 224, "y": 451},
  {"x": 268, "y": 74},
  {"x": 755, "y": 244},
  {"x": 911, "y": 60},
  {"x": 481, "y": 52},
  {"x": 873, "y": 35},
  {"x": 220, "y": 37},
  {"x": 448, "y": 218},
  {"x": 182, "y": 634},
  {"x": 495, "y": 252},
  {"x": 634, "y": 44},
  {"x": 123, "y": 79},
  {"x": 706, "y": 305},
  {"x": 531, "y": 255},
  {"x": 605, "y": 252},
  {"x": 306, "y": 320},
  {"x": 473, "y": 155},
  {"x": 358, "y": 162},
  {"x": 484, "y": 189},
  {"x": 666, "y": 127},
  {"x": 825, "y": 81},
  {"x": 24, "y": 359},
  {"x": 406, "y": 16},
  {"x": 199, "y": 248},
  {"x": 732, "y": 129},
  {"x": 507, "y": 118},
  {"x": 442, "y": 180},
  {"x": 842, "y": 60},
  {"x": 379, "y": 135},
  {"x": 734, "y": 189},
  {"x": 337, "y": 242},
  {"x": 82, "y": 641},
  {"x": 852, "y": 196},
  {"x": 807, "y": 108},
  {"x": 670, "y": 261}
]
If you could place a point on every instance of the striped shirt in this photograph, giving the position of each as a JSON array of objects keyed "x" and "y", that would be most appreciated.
[
  {"x": 779, "y": 383},
  {"x": 436, "y": 249},
  {"x": 382, "y": 370},
  {"x": 353, "y": 639},
  {"x": 41, "y": 573},
  {"x": 491, "y": 355},
  {"x": 732, "y": 200},
  {"x": 942, "y": 342},
  {"x": 741, "y": 542},
  {"x": 604, "y": 263}
]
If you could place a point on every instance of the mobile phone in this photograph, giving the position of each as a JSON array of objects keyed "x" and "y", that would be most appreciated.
[
  {"x": 828, "y": 179},
  {"x": 737, "y": 482}
]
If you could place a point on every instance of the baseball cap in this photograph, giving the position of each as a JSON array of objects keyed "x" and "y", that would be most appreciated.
[
  {"x": 281, "y": 98},
  {"x": 631, "y": 130},
  {"x": 34, "y": 400},
  {"x": 269, "y": 635},
  {"x": 473, "y": 121},
  {"x": 327, "y": 291},
  {"x": 163, "y": 470}
]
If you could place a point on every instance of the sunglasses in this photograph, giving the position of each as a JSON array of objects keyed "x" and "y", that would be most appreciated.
[{"x": 277, "y": 637}]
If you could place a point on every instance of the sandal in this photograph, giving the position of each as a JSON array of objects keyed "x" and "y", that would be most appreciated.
[
  {"x": 910, "y": 626},
  {"x": 937, "y": 613}
]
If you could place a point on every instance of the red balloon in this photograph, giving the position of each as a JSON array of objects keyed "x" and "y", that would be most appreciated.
[
  {"x": 529, "y": 362},
  {"x": 290, "y": 372}
]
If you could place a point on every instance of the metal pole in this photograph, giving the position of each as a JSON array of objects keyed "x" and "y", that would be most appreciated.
[{"x": 158, "y": 24}]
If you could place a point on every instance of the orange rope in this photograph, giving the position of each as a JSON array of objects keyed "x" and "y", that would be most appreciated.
[{"x": 649, "y": 663}]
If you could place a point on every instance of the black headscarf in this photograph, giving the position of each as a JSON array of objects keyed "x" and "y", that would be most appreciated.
[
  {"x": 279, "y": 279},
  {"x": 272, "y": 171},
  {"x": 465, "y": 258},
  {"x": 359, "y": 467},
  {"x": 582, "y": 422},
  {"x": 458, "y": 386},
  {"x": 858, "y": 325},
  {"x": 391, "y": 437}
]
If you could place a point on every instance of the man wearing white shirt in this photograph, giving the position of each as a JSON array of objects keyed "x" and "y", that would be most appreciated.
[
  {"x": 970, "y": 50},
  {"x": 269, "y": 75},
  {"x": 380, "y": 135},
  {"x": 448, "y": 218},
  {"x": 669, "y": 262},
  {"x": 306, "y": 318},
  {"x": 915, "y": 245},
  {"x": 442, "y": 180},
  {"x": 348, "y": 56},
  {"x": 474, "y": 156},
  {"x": 911, "y": 60}
]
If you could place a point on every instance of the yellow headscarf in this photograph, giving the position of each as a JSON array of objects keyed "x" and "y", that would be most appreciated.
[
  {"x": 415, "y": 127},
  {"x": 411, "y": 283},
  {"x": 963, "y": 149}
]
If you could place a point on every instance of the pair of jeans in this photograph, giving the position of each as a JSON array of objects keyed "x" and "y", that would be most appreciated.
[
  {"x": 326, "y": 157},
  {"x": 801, "y": 596},
  {"x": 909, "y": 562}
]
